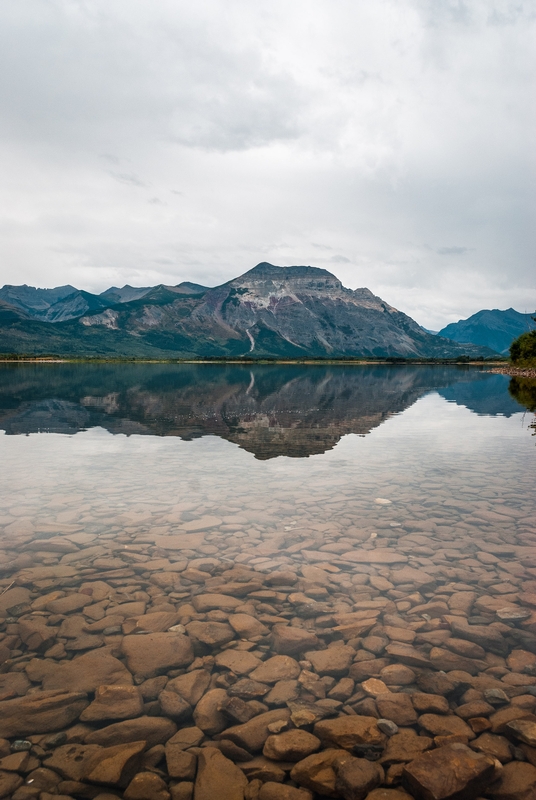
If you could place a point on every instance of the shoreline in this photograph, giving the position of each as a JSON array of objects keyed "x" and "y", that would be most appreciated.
[
  {"x": 391, "y": 362},
  {"x": 515, "y": 372}
]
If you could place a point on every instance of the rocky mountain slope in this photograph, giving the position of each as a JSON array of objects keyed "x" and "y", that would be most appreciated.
[
  {"x": 495, "y": 329},
  {"x": 268, "y": 311}
]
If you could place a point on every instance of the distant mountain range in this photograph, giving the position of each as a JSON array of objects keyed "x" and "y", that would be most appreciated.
[
  {"x": 495, "y": 329},
  {"x": 267, "y": 312}
]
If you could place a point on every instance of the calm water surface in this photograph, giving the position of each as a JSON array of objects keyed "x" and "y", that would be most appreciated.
[{"x": 101, "y": 448}]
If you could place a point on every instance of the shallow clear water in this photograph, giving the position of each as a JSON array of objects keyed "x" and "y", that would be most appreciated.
[{"x": 280, "y": 446}]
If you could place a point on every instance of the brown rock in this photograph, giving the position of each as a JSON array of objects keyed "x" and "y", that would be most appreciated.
[
  {"x": 397, "y": 675},
  {"x": 174, "y": 706},
  {"x": 261, "y": 768},
  {"x": 182, "y": 791},
  {"x": 114, "y": 702},
  {"x": 432, "y": 703},
  {"x": 380, "y": 555},
  {"x": 277, "y": 791},
  {"x": 9, "y": 782},
  {"x": 253, "y": 734},
  {"x": 13, "y": 597},
  {"x": 15, "y": 762},
  {"x": 218, "y": 777},
  {"x": 13, "y": 684},
  {"x": 518, "y": 660},
  {"x": 154, "y": 622},
  {"x": 448, "y": 661},
  {"x": 275, "y": 669},
  {"x": 388, "y": 794},
  {"x": 349, "y": 731},
  {"x": 493, "y": 745},
  {"x": 517, "y": 781},
  {"x": 85, "y": 673},
  {"x": 68, "y": 604},
  {"x": 207, "y": 602},
  {"x": 36, "y": 634},
  {"x": 180, "y": 764},
  {"x": 319, "y": 771},
  {"x": 40, "y": 712},
  {"x": 476, "y": 708},
  {"x": 153, "y": 730},
  {"x": 465, "y": 648},
  {"x": 374, "y": 687},
  {"x": 524, "y": 730},
  {"x": 147, "y": 786},
  {"x": 486, "y": 636},
  {"x": 453, "y": 772},
  {"x": 357, "y": 777},
  {"x": 291, "y": 745},
  {"x": 335, "y": 661},
  {"x": 187, "y": 737},
  {"x": 247, "y": 626},
  {"x": 501, "y": 718},
  {"x": 190, "y": 686},
  {"x": 410, "y": 575},
  {"x": 207, "y": 714},
  {"x": 153, "y": 653},
  {"x": 238, "y": 661},
  {"x": 211, "y": 633},
  {"x": 445, "y": 726},
  {"x": 115, "y": 766},
  {"x": 71, "y": 760},
  {"x": 291, "y": 641},
  {"x": 408, "y": 655},
  {"x": 405, "y": 746},
  {"x": 397, "y": 707}
]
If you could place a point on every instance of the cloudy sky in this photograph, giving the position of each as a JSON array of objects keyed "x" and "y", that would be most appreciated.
[{"x": 391, "y": 142}]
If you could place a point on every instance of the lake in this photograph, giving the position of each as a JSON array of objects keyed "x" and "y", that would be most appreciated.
[{"x": 234, "y": 554}]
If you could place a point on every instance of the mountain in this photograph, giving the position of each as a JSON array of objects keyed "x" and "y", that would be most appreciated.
[
  {"x": 267, "y": 312},
  {"x": 34, "y": 301},
  {"x": 125, "y": 294},
  {"x": 495, "y": 329}
]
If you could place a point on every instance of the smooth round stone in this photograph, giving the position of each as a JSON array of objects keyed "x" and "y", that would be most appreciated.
[
  {"x": 20, "y": 745},
  {"x": 387, "y": 726}
]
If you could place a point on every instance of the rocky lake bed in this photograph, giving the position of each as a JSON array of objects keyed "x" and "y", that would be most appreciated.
[
  {"x": 180, "y": 621},
  {"x": 322, "y": 662}
]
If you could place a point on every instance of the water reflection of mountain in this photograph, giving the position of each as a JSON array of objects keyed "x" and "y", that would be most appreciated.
[
  {"x": 268, "y": 410},
  {"x": 489, "y": 396}
]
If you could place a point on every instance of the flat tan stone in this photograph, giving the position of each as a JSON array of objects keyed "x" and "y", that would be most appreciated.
[
  {"x": 153, "y": 653},
  {"x": 218, "y": 777},
  {"x": 276, "y": 668},
  {"x": 85, "y": 673},
  {"x": 114, "y": 702},
  {"x": 41, "y": 712},
  {"x": 349, "y": 731},
  {"x": 152, "y": 730}
]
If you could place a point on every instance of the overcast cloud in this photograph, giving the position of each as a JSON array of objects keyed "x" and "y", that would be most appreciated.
[{"x": 391, "y": 142}]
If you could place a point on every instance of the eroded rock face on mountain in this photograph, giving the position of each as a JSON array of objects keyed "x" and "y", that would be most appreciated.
[{"x": 209, "y": 656}]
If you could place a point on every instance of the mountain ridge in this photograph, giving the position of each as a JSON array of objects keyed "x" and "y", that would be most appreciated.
[
  {"x": 490, "y": 327},
  {"x": 269, "y": 311}
]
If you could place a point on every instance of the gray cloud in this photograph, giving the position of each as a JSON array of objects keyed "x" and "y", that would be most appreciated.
[
  {"x": 452, "y": 251},
  {"x": 295, "y": 132}
]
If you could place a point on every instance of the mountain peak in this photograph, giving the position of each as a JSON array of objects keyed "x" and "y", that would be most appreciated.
[{"x": 265, "y": 269}]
